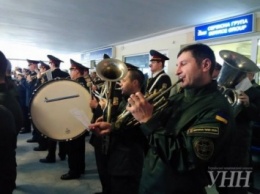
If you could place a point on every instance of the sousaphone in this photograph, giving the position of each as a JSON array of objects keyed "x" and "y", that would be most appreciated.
[
  {"x": 234, "y": 68},
  {"x": 233, "y": 71}
]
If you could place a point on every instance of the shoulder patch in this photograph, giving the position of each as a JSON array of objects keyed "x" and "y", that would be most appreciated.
[
  {"x": 205, "y": 130},
  {"x": 222, "y": 117},
  {"x": 203, "y": 147}
]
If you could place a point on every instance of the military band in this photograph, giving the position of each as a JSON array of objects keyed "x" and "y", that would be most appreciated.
[{"x": 154, "y": 145}]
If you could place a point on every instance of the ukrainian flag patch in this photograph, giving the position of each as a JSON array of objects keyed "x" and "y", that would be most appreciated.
[{"x": 222, "y": 117}]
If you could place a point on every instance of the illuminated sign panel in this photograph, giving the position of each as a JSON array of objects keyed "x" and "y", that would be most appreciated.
[{"x": 228, "y": 27}]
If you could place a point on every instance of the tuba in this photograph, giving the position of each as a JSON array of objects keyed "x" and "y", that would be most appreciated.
[
  {"x": 233, "y": 71},
  {"x": 110, "y": 70}
]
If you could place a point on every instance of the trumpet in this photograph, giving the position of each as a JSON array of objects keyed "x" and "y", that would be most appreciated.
[
  {"x": 156, "y": 98},
  {"x": 42, "y": 74}
]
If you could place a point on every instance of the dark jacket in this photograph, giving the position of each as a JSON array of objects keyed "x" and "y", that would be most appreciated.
[
  {"x": 57, "y": 73},
  {"x": 163, "y": 81},
  {"x": 82, "y": 81},
  {"x": 30, "y": 88},
  {"x": 11, "y": 103},
  {"x": 7, "y": 151},
  {"x": 244, "y": 119},
  {"x": 190, "y": 135},
  {"x": 127, "y": 147}
]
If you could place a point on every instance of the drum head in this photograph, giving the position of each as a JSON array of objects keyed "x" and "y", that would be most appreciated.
[{"x": 60, "y": 109}]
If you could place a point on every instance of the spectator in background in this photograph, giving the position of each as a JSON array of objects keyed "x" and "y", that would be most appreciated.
[
  {"x": 9, "y": 101},
  {"x": 7, "y": 151}
]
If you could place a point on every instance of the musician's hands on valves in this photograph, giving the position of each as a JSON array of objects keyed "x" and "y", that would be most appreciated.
[
  {"x": 139, "y": 107},
  {"x": 244, "y": 99}
]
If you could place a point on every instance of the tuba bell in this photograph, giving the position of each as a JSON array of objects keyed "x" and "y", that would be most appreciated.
[
  {"x": 110, "y": 70},
  {"x": 233, "y": 71}
]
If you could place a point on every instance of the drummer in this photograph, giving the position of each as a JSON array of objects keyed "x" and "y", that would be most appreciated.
[
  {"x": 56, "y": 73},
  {"x": 76, "y": 147}
]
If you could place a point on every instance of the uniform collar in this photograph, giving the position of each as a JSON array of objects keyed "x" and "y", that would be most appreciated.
[
  {"x": 157, "y": 73},
  {"x": 204, "y": 90}
]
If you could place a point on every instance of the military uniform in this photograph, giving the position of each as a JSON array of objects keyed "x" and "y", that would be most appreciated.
[
  {"x": 160, "y": 80},
  {"x": 256, "y": 123},
  {"x": 43, "y": 78},
  {"x": 30, "y": 89},
  {"x": 244, "y": 129},
  {"x": 76, "y": 147},
  {"x": 241, "y": 146},
  {"x": 192, "y": 133},
  {"x": 101, "y": 158},
  {"x": 51, "y": 157},
  {"x": 126, "y": 154}
]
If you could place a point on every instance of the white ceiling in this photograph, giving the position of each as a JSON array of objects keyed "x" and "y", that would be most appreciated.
[{"x": 73, "y": 26}]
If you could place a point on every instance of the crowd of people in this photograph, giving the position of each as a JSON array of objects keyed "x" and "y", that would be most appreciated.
[{"x": 145, "y": 142}]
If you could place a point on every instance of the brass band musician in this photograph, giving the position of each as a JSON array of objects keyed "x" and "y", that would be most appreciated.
[
  {"x": 159, "y": 78},
  {"x": 76, "y": 147},
  {"x": 56, "y": 73}
]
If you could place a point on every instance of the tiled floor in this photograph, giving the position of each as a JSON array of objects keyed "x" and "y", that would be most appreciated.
[{"x": 37, "y": 178}]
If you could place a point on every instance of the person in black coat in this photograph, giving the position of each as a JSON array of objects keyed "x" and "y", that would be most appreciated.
[
  {"x": 9, "y": 129},
  {"x": 7, "y": 151},
  {"x": 56, "y": 73},
  {"x": 76, "y": 147}
]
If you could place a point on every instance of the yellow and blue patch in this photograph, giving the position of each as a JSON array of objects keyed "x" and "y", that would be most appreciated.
[{"x": 222, "y": 117}]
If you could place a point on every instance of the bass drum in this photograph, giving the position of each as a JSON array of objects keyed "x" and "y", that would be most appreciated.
[{"x": 60, "y": 109}]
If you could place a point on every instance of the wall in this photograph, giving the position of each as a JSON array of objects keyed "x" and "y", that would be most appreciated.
[{"x": 171, "y": 42}]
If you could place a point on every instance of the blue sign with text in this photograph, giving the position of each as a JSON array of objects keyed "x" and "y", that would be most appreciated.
[{"x": 228, "y": 27}]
